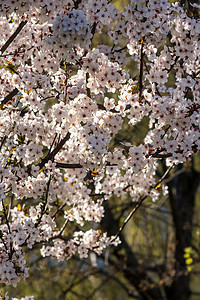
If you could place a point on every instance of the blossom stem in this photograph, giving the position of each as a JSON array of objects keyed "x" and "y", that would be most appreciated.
[{"x": 141, "y": 71}]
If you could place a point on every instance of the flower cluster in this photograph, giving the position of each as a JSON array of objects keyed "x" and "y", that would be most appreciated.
[
  {"x": 82, "y": 242},
  {"x": 22, "y": 230},
  {"x": 99, "y": 12},
  {"x": 9, "y": 6},
  {"x": 149, "y": 23},
  {"x": 103, "y": 72},
  {"x": 71, "y": 35},
  {"x": 31, "y": 7}
]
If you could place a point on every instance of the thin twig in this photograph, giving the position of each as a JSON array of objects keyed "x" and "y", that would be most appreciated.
[
  {"x": 68, "y": 166},
  {"x": 94, "y": 26},
  {"x": 43, "y": 211},
  {"x": 58, "y": 210},
  {"x": 141, "y": 71},
  {"x": 87, "y": 89},
  {"x": 53, "y": 153},
  {"x": 16, "y": 52},
  {"x": 140, "y": 203},
  {"x": 64, "y": 226},
  {"x": 9, "y": 229},
  {"x": 98, "y": 287},
  {"x": 53, "y": 142},
  {"x": 118, "y": 50},
  {"x": 2, "y": 142},
  {"x": 75, "y": 165},
  {"x": 10, "y": 205}
]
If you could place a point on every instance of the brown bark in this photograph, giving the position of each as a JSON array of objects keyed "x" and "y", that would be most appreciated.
[{"x": 182, "y": 190}]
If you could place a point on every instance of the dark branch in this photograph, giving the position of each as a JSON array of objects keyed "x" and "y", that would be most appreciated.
[
  {"x": 13, "y": 36},
  {"x": 88, "y": 90},
  {"x": 140, "y": 203},
  {"x": 3, "y": 49},
  {"x": 2, "y": 142},
  {"x": 17, "y": 52},
  {"x": 94, "y": 26},
  {"x": 68, "y": 166},
  {"x": 10, "y": 96},
  {"x": 141, "y": 71},
  {"x": 76, "y": 3},
  {"x": 52, "y": 154},
  {"x": 119, "y": 50}
]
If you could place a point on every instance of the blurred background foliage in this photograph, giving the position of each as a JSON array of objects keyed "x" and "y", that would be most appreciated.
[{"x": 144, "y": 266}]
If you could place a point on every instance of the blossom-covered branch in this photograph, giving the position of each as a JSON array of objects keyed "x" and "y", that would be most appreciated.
[{"x": 62, "y": 154}]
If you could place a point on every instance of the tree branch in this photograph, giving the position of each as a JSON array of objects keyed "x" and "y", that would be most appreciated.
[
  {"x": 10, "y": 96},
  {"x": 3, "y": 49},
  {"x": 141, "y": 71},
  {"x": 76, "y": 3},
  {"x": 52, "y": 154},
  {"x": 140, "y": 203},
  {"x": 87, "y": 89},
  {"x": 68, "y": 166},
  {"x": 13, "y": 36}
]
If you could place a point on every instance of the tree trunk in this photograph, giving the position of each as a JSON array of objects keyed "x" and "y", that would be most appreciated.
[{"x": 182, "y": 190}]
